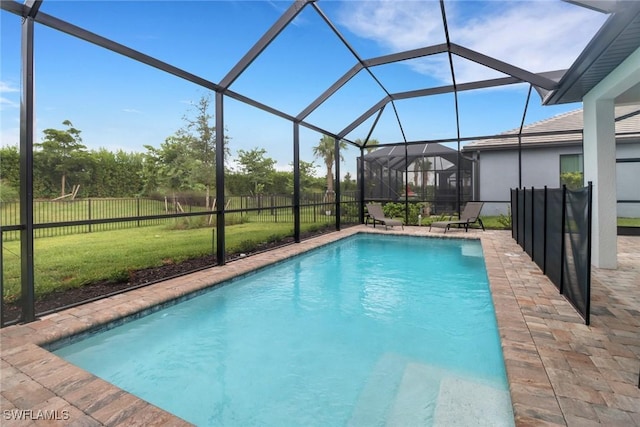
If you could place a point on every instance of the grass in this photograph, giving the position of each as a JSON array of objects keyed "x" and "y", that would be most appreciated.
[
  {"x": 629, "y": 222},
  {"x": 79, "y": 210},
  {"x": 490, "y": 222},
  {"x": 75, "y": 260},
  {"x": 47, "y": 211},
  {"x": 84, "y": 209},
  {"x": 493, "y": 222}
]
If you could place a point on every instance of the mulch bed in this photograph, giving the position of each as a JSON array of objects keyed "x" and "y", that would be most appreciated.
[{"x": 56, "y": 300}]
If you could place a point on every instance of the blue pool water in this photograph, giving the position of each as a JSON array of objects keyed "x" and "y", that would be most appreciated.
[{"x": 371, "y": 330}]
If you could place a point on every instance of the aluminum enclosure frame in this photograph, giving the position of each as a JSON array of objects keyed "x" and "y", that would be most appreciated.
[{"x": 544, "y": 83}]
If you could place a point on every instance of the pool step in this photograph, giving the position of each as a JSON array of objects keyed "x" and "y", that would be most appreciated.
[
  {"x": 472, "y": 249},
  {"x": 379, "y": 391},
  {"x": 414, "y": 402},
  {"x": 401, "y": 392},
  {"x": 461, "y": 402}
]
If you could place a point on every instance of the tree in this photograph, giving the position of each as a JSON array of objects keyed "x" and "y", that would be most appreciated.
[
  {"x": 372, "y": 144},
  {"x": 421, "y": 167},
  {"x": 10, "y": 165},
  {"x": 325, "y": 150},
  {"x": 258, "y": 168},
  {"x": 187, "y": 159},
  {"x": 307, "y": 174},
  {"x": 116, "y": 174},
  {"x": 170, "y": 165},
  {"x": 308, "y": 180},
  {"x": 9, "y": 174},
  {"x": 63, "y": 152},
  {"x": 200, "y": 137},
  {"x": 348, "y": 183}
]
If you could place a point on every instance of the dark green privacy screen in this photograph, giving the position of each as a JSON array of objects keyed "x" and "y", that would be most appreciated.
[
  {"x": 554, "y": 227},
  {"x": 576, "y": 274}
]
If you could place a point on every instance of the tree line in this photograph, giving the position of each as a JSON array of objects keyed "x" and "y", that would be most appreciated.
[{"x": 184, "y": 163}]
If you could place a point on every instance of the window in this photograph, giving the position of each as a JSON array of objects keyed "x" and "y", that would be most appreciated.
[{"x": 571, "y": 171}]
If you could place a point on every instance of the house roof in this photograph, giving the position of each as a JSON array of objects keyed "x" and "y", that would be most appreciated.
[{"x": 563, "y": 129}]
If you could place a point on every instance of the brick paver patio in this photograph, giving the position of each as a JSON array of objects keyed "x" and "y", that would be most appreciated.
[{"x": 560, "y": 371}]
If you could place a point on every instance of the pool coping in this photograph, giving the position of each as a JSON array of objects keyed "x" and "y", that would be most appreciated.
[{"x": 560, "y": 371}]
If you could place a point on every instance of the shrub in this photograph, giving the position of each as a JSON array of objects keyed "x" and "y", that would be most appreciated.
[
  {"x": 505, "y": 220},
  {"x": 8, "y": 193},
  {"x": 189, "y": 223},
  {"x": 573, "y": 180},
  {"x": 246, "y": 245},
  {"x": 397, "y": 210}
]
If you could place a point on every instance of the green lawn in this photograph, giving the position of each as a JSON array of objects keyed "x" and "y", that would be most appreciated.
[
  {"x": 45, "y": 211},
  {"x": 629, "y": 222},
  {"x": 74, "y": 260}
]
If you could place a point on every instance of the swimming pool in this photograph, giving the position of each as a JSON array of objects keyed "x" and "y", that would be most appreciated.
[{"x": 371, "y": 330}]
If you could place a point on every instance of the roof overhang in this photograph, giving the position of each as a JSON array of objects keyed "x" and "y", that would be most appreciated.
[{"x": 618, "y": 38}]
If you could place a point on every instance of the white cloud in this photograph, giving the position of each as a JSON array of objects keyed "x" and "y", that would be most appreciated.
[
  {"x": 7, "y": 101},
  {"x": 7, "y": 87},
  {"x": 534, "y": 35},
  {"x": 395, "y": 25},
  {"x": 131, "y": 110}
]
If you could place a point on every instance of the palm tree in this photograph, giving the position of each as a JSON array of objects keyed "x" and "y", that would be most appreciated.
[
  {"x": 325, "y": 150},
  {"x": 372, "y": 144}
]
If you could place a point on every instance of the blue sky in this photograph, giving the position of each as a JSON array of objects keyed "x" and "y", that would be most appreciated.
[{"x": 120, "y": 104}]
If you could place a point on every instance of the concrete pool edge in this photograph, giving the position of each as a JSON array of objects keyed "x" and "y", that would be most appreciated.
[{"x": 35, "y": 379}]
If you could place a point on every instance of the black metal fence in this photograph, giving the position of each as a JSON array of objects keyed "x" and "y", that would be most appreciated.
[
  {"x": 58, "y": 218},
  {"x": 553, "y": 226},
  {"x": 317, "y": 214}
]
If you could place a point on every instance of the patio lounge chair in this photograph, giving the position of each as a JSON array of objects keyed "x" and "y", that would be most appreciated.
[
  {"x": 376, "y": 214},
  {"x": 470, "y": 215}
]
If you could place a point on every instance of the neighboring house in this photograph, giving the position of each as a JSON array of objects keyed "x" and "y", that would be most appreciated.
[{"x": 553, "y": 159}]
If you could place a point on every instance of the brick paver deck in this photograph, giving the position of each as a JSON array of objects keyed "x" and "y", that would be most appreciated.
[{"x": 560, "y": 371}]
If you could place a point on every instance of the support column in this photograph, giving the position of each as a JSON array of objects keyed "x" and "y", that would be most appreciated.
[
  {"x": 361, "y": 172},
  {"x": 338, "y": 193},
  {"x": 600, "y": 154},
  {"x": 221, "y": 252},
  {"x": 296, "y": 182},
  {"x": 27, "y": 113},
  {"x": 600, "y": 168}
]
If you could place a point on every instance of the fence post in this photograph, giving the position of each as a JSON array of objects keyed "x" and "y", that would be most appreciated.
[
  {"x": 1, "y": 280},
  {"x": 511, "y": 212},
  {"x": 544, "y": 235},
  {"x": 89, "y": 212},
  {"x": 524, "y": 219},
  {"x": 516, "y": 216},
  {"x": 138, "y": 210},
  {"x": 587, "y": 314},
  {"x": 533, "y": 228},
  {"x": 562, "y": 232}
]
